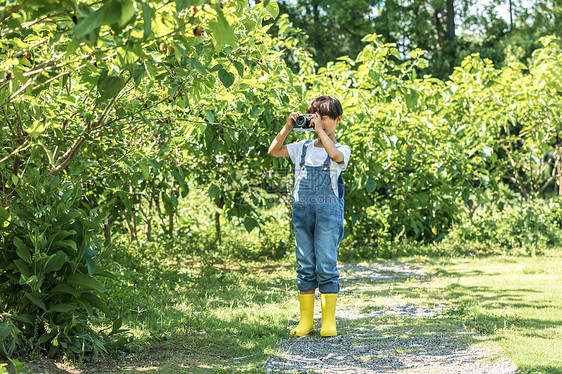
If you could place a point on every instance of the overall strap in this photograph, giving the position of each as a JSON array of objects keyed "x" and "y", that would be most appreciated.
[{"x": 304, "y": 150}]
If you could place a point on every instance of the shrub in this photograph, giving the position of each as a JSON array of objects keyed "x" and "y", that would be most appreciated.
[
  {"x": 50, "y": 271},
  {"x": 518, "y": 225}
]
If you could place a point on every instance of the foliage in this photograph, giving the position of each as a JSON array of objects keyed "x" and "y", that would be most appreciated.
[
  {"x": 89, "y": 93},
  {"x": 514, "y": 225},
  {"x": 18, "y": 367},
  {"x": 501, "y": 222},
  {"x": 50, "y": 280}
]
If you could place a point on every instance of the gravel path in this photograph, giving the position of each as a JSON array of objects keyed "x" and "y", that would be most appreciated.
[{"x": 381, "y": 340}]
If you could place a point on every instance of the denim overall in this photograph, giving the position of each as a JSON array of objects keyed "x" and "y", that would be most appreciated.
[{"x": 318, "y": 224}]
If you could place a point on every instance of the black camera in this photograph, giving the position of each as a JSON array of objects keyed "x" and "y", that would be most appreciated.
[{"x": 303, "y": 123}]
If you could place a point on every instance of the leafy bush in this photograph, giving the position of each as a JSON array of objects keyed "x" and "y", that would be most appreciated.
[
  {"x": 529, "y": 226},
  {"x": 50, "y": 271},
  {"x": 495, "y": 220}
]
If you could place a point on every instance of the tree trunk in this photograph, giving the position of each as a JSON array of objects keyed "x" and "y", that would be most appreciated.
[
  {"x": 558, "y": 169},
  {"x": 107, "y": 230},
  {"x": 220, "y": 205},
  {"x": 510, "y": 15},
  {"x": 171, "y": 226},
  {"x": 132, "y": 233},
  {"x": 149, "y": 221},
  {"x": 557, "y": 15},
  {"x": 437, "y": 16},
  {"x": 133, "y": 214},
  {"x": 450, "y": 20}
]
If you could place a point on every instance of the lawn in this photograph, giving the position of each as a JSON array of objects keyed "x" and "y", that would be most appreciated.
[
  {"x": 516, "y": 301},
  {"x": 188, "y": 314}
]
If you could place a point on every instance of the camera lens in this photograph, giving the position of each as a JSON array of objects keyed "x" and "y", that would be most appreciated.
[{"x": 301, "y": 120}]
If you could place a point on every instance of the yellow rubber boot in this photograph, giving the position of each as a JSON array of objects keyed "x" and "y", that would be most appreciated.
[
  {"x": 328, "y": 301},
  {"x": 306, "y": 325}
]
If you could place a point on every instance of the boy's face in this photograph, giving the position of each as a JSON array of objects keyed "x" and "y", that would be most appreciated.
[{"x": 328, "y": 123}]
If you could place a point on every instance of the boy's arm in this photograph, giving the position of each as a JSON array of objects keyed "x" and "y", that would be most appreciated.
[
  {"x": 329, "y": 146},
  {"x": 277, "y": 149}
]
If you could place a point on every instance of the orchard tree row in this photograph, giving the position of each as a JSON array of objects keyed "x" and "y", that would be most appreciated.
[{"x": 110, "y": 111}]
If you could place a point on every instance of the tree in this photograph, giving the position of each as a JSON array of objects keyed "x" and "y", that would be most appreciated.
[{"x": 93, "y": 96}]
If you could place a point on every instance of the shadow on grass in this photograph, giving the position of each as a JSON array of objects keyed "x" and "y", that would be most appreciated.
[
  {"x": 199, "y": 317},
  {"x": 493, "y": 308}
]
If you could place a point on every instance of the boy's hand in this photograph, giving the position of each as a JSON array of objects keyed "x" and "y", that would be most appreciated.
[
  {"x": 291, "y": 120},
  {"x": 318, "y": 124}
]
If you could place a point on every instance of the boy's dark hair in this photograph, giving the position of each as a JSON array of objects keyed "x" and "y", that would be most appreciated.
[{"x": 325, "y": 106}]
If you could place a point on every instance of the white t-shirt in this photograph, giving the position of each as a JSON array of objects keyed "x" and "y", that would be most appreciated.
[{"x": 315, "y": 156}]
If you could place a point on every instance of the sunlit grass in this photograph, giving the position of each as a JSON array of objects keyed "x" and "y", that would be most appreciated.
[
  {"x": 516, "y": 301},
  {"x": 230, "y": 315}
]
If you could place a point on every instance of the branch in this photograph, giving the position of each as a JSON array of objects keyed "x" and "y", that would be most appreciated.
[
  {"x": 67, "y": 158},
  {"x": 69, "y": 155},
  {"x": 22, "y": 147}
]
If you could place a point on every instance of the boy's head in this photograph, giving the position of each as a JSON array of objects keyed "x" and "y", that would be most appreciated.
[{"x": 325, "y": 106}]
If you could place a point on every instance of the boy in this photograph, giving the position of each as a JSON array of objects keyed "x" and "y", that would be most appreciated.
[{"x": 317, "y": 210}]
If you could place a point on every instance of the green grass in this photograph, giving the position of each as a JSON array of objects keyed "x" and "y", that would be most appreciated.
[
  {"x": 207, "y": 314},
  {"x": 516, "y": 301},
  {"x": 200, "y": 314},
  {"x": 513, "y": 302},
  {"x": 230, "y": 316}
]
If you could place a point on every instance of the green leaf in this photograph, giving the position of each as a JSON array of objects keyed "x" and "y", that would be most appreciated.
[
  {"x": 45, "y": 337},
  {"x": 273, "y": 9},
  {"x": 222, "y": 32},
  {"x": 91, "y": 265},
  {"x": 168, "y": 204},
  {"x": 79, "y": 228},
  {"x": 86, "y": 281},
  {"x": 63, "y": 289},
  {"x": 214, "y": 191},
  {"x": 63, "y": 308},
  {"x": 109, "y": 87},
  {"x": 226, "y": 78},
  {"x": 147, "y": 17},
  {"x": 22, "y": 251},
  {"x": 56, "y": 262},
  {"x": 65, "y": 243},
  {"x": 23, "y": 268},
  {"x": 108, "y": 14},
  {"x": 239, "y": 68},
  {"x": 5, "y": 217},
  {"x": 35, "y": 129},
  {"x": 371, "y": 185},
  {"x": 250, "y": 224},
  {"x": 182, "y": 4},
  {"x": 127, "y": 12},
  {"x": 4, "y": 332},
  {"x": 61, "y": 235},
  {"x": 116, "y": 325},
  {"x": 215, "y": 68},
  {"x": 25, "y": 318},
  {"x": 138, "y": 73},
  {"x": 36, "y": 300},
  {"x": 31, "y": 281},
  {"x": 96, "y": 302},
  {"x": 196, "y": 64},
  {"x": 91, "y": 253}
]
